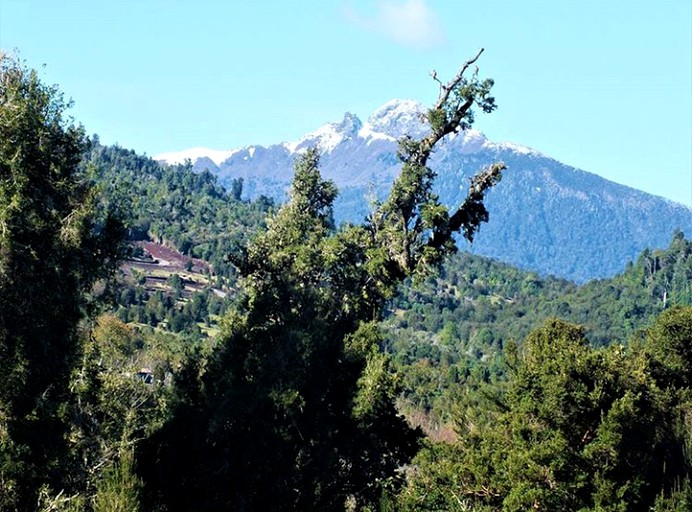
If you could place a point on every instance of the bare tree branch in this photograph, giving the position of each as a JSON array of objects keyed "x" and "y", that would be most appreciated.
[
  {"x": 445, "y": 90},
  {"x": 450, "y": 125}
]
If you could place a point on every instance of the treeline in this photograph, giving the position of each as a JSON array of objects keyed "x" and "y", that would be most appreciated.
[{"x": 293, "y": 405}]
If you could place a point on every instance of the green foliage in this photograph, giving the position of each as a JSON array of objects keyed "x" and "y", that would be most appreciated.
[
  {"x": 111, "y": 408},
  {"x": 292, "y": 408},
  {"x": 173, "y": 205},
  {"x": 295, "y": 410},
  {"x": 489, "y": 304},
  {"x": 679, "y": 500},
  {"x": 413, "y": 228},
  {"x": 575, "y": 428},
  {"x": 184, "y": 210},
  {"x": 286, "y": 385},
  {"x": 56, "y": 241},
  {"x": 119, "y": 395},
  {"x": 670, "y": 347},
  {"x": 118, "y": 488}
]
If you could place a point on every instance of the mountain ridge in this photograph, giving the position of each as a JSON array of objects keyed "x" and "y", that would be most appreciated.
[
  {"x": 394, "y": 119},
  {"x": 545, "y": 215}
]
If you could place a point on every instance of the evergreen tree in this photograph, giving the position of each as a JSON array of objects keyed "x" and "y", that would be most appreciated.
[
  {"x": 54, "y": 244},
  {"x": 574, "y": 428},
  {"x": 294, "y": 411}
]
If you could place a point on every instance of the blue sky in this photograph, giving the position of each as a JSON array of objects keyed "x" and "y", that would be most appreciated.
[{"x": 603, "y": 85}]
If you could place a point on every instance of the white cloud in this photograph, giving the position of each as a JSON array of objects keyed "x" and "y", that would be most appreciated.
[{"x": 409, "y": 22}]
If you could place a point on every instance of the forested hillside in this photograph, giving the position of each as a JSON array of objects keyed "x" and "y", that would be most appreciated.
[
  {"x": 474, "y": 293},
  {"x": 166, "y": 345},
  {"x": 172, "y": 205},
  {"x": 450, "y": 323},
  {"x": 460, "y": 320}
]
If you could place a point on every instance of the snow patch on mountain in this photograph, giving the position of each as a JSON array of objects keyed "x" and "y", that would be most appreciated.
[
  {"x": 397, "y": 118},
  {"x": 292, "y": 146},
  {"x": 193, "y": 154},
  {"x": 366, "y": 132},
  {"x": 516, "y": 148},
  {"x": 328, "y": 136},
  {"x": 469, "y": 141},
  {"x": 391, "y": 121}
]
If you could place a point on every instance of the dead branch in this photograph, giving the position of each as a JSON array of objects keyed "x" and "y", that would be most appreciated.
[{"x": 445, "y": 90}]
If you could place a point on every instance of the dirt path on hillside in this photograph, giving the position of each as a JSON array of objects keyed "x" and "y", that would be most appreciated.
[{"x": 168, "y": 257}]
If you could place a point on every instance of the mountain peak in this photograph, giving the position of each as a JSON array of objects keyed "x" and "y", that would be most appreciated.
[
  {"x": 330, "y": 135},
  {"x": 350, "y": 124},
  {"x": 397, "y": 118}
]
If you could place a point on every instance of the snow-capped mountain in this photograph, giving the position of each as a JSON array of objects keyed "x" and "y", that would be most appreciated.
[
  {"x": 397, "y": 118},
  {"x": 391, "y": 121},
  {"x": 544, "y": 215}
]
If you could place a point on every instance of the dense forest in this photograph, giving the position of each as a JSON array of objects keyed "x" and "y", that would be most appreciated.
[{"x": 166, "y": 345}]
